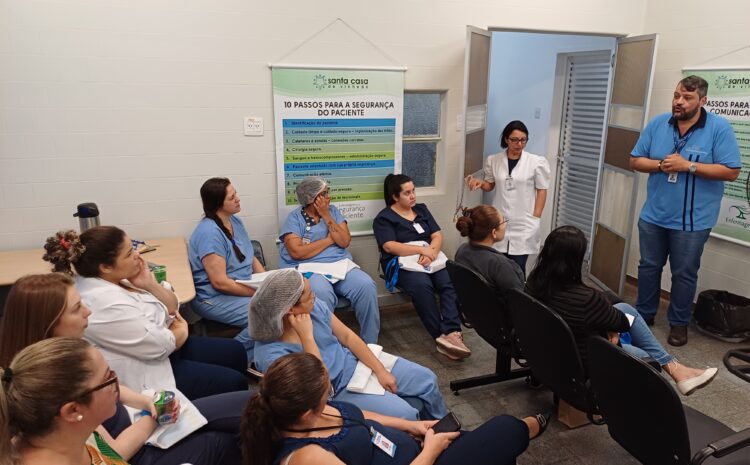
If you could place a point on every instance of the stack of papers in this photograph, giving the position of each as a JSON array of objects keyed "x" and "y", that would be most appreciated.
[
  {"x": 411, "y": 262},
  {"x": 333, "y": 272},
  {"x": 364, "y": 380},
  {"x": 165, "y": 436}
]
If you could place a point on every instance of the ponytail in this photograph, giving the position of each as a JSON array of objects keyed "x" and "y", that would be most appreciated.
[
  {"x": 259, "y": 434},
  {"x": 7, "y": 454}
]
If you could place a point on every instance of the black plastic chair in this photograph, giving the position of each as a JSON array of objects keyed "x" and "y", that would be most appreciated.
[
  {"x": 489, "y": 317},
  {"x": 737, "y": 362},
  {"x": 550, "y": 349},
  {"x": 645, "y": 416}
]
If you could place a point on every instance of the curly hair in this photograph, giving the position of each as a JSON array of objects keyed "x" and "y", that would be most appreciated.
[{"x": 63, "y": 249}]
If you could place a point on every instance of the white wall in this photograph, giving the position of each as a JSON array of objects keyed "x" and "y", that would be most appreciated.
[
  {"x": 133, "y": 104},
  {"x": 522, "y": 79},
  {"x": 690, "y": 34}
]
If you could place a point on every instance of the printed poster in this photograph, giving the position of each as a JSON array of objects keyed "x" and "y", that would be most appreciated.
[
  {"x": 344, "y": 126},
  {"x": 729, "y": 97}
]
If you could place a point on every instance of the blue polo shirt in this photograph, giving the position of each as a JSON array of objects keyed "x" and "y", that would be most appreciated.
[{"x": 693, "y": 202}]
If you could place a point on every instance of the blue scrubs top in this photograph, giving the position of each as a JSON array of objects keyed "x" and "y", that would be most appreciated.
[
  {"x": 693, "y": 202},
  {"x": 338, "y": 359},
  {"x": 295, "y": 224},
  {"x": 207, "y": 238}
]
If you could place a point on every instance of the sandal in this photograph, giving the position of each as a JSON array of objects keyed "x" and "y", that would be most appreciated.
[{"x": 544, "y": 419}]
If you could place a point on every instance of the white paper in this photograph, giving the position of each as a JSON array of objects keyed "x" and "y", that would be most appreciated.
[
  {"x": 333, "y": 272},
  {"x": 411, "y": 262},
  {"x": 256, "y": 279},
  {"x": 165, "y": 436},
  {"x": 363, "y": 380}
]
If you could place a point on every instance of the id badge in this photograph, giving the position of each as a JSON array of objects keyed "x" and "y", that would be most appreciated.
[
  {"x": 672, "y": 177},
  {"x": 382, "y": 442},
  {"x": 418, "y": 227},
  {"x": 306, "y": 240},
  {"x": 509, "y": 184}
]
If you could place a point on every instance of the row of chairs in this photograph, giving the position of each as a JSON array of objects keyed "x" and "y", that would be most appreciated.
[{"x": 641, "y": 409}]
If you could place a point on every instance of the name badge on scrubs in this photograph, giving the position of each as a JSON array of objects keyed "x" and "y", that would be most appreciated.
[
  {"x": 509, "y": 184},
  {"x": 418, "y": 227},
  {"x": 382, "y": 442},
  {"x": 672, "y": 177}
]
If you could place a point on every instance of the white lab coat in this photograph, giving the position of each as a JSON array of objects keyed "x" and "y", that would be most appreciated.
[
  {"x": 131, "y": 329},
  {"x": 523, "y": 229}
]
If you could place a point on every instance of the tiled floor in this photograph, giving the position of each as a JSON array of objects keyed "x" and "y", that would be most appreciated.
[{"x": 727, "y": 398}]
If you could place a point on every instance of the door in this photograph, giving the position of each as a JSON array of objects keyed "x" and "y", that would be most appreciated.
[
  {"x": 586, "y": 90},
  {"x": 618, "y": 188}
]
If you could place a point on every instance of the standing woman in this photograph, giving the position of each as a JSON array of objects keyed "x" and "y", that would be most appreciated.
[
  {"x": 522, "y": 180},
  {"x": 220, "y": 252},
  {"x": 404, "y": 220},
  {"x": 136, "y": 322}
]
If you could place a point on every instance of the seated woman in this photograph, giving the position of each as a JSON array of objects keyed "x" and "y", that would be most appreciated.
[
  {"x": 48, "y": 305},
  {"x": 220, "y": 252},
  {"x": 135, "y": 321},
  {"x": 293, "y": 420},
  {"x": 285, "y": 317},
  {"x": 485, "y": 226},
  {"x": 557, "y": 281},
  {"x": 54, "y": 396},
  {"x": 404, "y": 220},
  {"x": 317, "y": 232}
]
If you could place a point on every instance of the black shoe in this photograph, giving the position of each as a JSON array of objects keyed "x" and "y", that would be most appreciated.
[
  {"x": 677, "y": 336},
  {"x": 544, "y": 419}
]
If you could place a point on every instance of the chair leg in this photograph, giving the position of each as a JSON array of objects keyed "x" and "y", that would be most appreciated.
[{"x": 503, "y": 372}]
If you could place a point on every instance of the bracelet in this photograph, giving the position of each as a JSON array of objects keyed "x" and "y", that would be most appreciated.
[{"x": 660, "y": 162}]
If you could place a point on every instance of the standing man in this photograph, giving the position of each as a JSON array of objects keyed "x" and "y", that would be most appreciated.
[{"x": 688, "y": 155}]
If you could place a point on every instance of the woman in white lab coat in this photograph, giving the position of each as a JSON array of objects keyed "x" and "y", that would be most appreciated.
[{"x": 522, "y": 179}]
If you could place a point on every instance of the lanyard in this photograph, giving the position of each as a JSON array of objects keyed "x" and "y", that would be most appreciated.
[
  {"x": 347, "y": 423},
  {"x": 680, "y": 142}
]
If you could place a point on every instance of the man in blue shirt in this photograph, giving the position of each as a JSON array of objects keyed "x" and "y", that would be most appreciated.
[{"x": 688, "y": 155}]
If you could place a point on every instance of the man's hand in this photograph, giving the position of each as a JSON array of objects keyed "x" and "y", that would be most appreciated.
[{"x": 675, "y": 163}]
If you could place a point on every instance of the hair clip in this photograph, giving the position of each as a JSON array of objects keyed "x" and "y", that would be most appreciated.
[
  {"x": 7, "y": 375},
  {"x": 64, "y": 243}
]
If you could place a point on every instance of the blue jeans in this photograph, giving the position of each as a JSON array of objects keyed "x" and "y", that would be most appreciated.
[
  {"x": 657, "y": 244},
  {"x": 361, "y": 291},
  {"x": 644, "y": 343},
  {"x": 413, "y": 380}
]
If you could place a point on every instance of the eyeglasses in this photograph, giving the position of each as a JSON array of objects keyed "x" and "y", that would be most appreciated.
[
  {"x": 502, "y": 223},
  {"x": 325, "y": 193},
  {"x": 111, "y": 379},
  {"x": 518, "y": 140}
]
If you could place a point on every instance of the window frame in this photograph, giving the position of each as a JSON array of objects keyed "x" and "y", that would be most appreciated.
[{"x": 440, "y": 158}]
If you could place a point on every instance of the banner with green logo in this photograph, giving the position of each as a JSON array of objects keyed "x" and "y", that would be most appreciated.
[
  {"x": 342, "y": 125},
  {"x": 729, "y": 97}
]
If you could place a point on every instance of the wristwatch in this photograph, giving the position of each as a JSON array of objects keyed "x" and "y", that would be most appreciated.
[{"x": 692, "y": 168}]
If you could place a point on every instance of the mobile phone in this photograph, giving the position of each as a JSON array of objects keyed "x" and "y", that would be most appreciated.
[{"x": 447, "y": 424}]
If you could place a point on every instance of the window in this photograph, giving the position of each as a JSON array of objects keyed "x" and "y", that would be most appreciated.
[{"x": 422, "y": 139}]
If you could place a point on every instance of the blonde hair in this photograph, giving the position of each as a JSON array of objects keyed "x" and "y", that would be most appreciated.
[{"x": 39, "y": 381}]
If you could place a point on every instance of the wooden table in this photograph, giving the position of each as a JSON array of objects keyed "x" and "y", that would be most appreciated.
[{"x": 171, "y": 252}]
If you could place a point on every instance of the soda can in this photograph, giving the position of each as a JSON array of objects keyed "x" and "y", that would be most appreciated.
[
  {"x": 160, "y": 273},
  {"x": 163, "y": 401}
]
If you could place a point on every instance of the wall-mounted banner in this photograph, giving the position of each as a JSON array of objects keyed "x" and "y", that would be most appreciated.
[
  {"x": 342, "y": 125},
  {"x": 729, "y": 96}
]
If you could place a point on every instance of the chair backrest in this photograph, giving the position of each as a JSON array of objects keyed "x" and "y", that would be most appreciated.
[
  {"x": 642, "y": 410},
  {"x": 258, "y": 252},
  {"x": 487, "y": 314},
  {"x": 550, "y": 349}
]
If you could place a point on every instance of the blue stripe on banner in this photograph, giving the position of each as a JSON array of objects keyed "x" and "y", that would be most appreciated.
[
  {"x": 339, "y": 165},
  {"x": 317, "y": 123}
]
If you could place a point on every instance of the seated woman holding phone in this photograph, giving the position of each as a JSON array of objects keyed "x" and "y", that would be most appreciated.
[{"x": 292, "y": 421}]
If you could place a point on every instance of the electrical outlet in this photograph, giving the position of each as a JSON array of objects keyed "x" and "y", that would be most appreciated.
[{"x": 253, "y": 126}]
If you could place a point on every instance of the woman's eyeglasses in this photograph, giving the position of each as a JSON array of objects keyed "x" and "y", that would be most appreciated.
[
  {"x": 518, "y": 140},
  {"x": 111, "y": 379}
]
